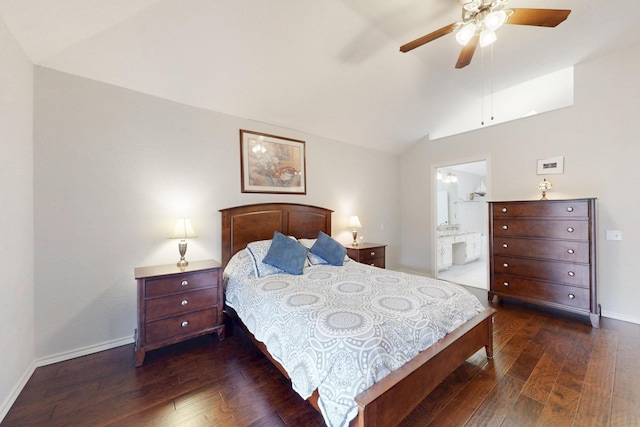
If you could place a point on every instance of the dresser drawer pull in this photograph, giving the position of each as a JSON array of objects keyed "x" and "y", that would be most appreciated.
[
  {"x": 571, "y": 296},
  {"x": 570, "y": 229},
  {"x": 570, "y": 251},
  {"x": 506, "y": 283},
  {"x": 184, "y": 324},
  {"x": 571, "y": 274},
  {"x": 504, "y": 245},
  {"x": 184, "y": 283},
  {"x": 184, "y": 302},
  {"x": 373, "y": 253},
  {"x": 505, "y": 265},
  {"x": 505, "y": 227},
  {"x": 570, "y": 209},
  {"x": 504, "y": 210}
]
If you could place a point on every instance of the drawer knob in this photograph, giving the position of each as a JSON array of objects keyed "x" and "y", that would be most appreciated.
[
  {"x": 506, "y": 283},
  {"x": 504, "y": 210},
  {"x": 184, "y": 283},
  {"x": 373, "y": 253},
  {"x": 505, "y": 265},
  {"x": 570, "y": 209},
  {"x": 571, "y": 296},
  {"x": 570, "y": 229},
  {"x": 571, "y": 274},
  {"x": 184, "y": 324},
  {"x": 504, "y": 245},
  {"x": 505, "y": 227},
  {"x": 184, "y": 302},
  {"x": 570, "y": 251}
]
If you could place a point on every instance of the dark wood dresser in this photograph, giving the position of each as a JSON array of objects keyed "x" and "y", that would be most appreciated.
[
  {"x": 544, "y": 252},
  {"x": 175, "y": 305},
  {"x": 368, "y": 253}
]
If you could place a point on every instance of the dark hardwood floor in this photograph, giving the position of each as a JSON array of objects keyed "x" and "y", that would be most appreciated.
[{"x": 548, "y": 369}]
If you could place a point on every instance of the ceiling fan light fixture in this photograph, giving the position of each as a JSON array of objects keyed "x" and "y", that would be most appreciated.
[
  {"x": 465, "y": 33},
  {"x": 494, "y": 20},
  {"x": 487, "y": 37}
]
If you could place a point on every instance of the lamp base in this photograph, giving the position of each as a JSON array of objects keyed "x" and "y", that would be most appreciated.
[
  {"x": 354, "y": 233},
  {"x": 182, "y": 249}
]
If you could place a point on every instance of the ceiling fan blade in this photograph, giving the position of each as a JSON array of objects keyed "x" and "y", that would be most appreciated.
[
  {"x": 467, "y": 52},
  {"x": 429, "y": 37},
  {"x": 538, "y": 17}
]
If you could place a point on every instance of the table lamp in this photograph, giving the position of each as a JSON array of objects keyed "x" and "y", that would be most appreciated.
[{"x": 182, "y": 231}]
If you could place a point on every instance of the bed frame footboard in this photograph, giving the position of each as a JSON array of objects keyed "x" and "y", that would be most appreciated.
[{"x": 391, "y": 399}]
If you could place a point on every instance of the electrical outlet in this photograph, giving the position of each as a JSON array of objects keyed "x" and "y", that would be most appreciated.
[{"x": 614, "y": 235}]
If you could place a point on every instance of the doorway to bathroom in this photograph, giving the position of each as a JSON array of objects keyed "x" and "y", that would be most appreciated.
[{"x": 462, "y": 223}]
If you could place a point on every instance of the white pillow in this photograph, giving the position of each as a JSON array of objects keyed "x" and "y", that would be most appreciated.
[{"x": 258, "y": 250}]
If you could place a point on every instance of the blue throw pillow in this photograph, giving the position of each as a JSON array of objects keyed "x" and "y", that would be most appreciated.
[
  {"x": 286, "y": 254},
  {"x": 329, "y": 249}
]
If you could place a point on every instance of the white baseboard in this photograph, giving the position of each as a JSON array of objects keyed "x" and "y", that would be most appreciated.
[
  {"x": 61, "y": 357},
  {"x": 13, "y": 396},
  {"x": 622, "y": 317}
]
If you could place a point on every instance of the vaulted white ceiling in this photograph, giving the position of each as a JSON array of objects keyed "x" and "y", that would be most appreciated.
[{"x": 330, "y": 67}]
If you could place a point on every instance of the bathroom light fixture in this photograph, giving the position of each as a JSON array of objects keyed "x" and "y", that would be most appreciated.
[
  {"x": 182, "y": 231},
  {"x": 354, "y": 223}
]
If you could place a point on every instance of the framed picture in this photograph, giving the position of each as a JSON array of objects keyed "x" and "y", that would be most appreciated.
[
  {"x": 552, "y": 165},
  {"x": 272, "y": 164}
]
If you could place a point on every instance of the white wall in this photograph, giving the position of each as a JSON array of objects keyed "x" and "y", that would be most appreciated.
[
  {"x": 114, "y": 168},
  {"x": 16, "y": 217},
  {"x": 599, "y": 138}
]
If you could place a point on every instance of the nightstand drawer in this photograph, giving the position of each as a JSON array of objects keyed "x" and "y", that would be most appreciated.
[
  {"x": 181, "y": 303},
  {"x": 180, "y": 283},
  {"x": 181, "y": 325},
  {"x": 368, "y": 253},
  {"x": 370, "y": 256}
]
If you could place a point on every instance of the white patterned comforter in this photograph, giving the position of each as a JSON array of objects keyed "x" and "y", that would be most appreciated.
[{"x": 341, "y": 329}]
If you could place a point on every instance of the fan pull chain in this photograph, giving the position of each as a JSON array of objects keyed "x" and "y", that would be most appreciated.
[
  {"x": 482, "y": 86},
  {"x": 491, "y": 82}
]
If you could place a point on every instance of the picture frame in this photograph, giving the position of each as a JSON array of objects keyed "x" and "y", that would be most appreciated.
[
  {"x": 272, "y": 164},
  {"x": 551, "y": 166}
]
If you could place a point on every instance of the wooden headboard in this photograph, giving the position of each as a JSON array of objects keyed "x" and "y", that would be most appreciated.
[{"x": 245, "y": 224}]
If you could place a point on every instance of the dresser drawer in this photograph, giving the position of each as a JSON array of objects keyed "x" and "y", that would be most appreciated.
[
  {"x": 180, "y": 283},
  {"x": 565, "y": 209},
  {"x": 528, "y": 289},
  {"x": 563, "y": 272},
  {"x": 559, "y": 229},
  {"x": 559, "y": 250},
  {"x": 181, "y": 303},
  {"x": 184, "y": 324}
]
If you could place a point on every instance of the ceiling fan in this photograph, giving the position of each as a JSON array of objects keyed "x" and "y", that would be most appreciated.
[{"x": 480, "y": 20}]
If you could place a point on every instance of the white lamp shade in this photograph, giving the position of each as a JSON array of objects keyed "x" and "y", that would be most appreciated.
[
  {"x": 494, "y": 20},
  {"x": 465, "y": 33},
  {"x": 183, "y": 229},
  {"x": 487, "y": 37},
  {"x": 354, "y": 222}
]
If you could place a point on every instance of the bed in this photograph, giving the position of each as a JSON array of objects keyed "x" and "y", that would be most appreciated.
[{"x": 391, "y": 398}]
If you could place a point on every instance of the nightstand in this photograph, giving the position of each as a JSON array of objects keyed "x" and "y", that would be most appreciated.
[
  {"x": 368, "y": 253},
  {"x": 177, "y": 304}
]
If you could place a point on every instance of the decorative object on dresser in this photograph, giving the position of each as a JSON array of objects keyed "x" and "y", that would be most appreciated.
[
  {"x": 182, "y": 231},
  {"x": 354, "y": 224},
  {"x": 544, "y": 186},
  {"x": 175, "y": 304},
  {"x": 544, "y": 252},
  {"x": 368, "y": 253}
]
